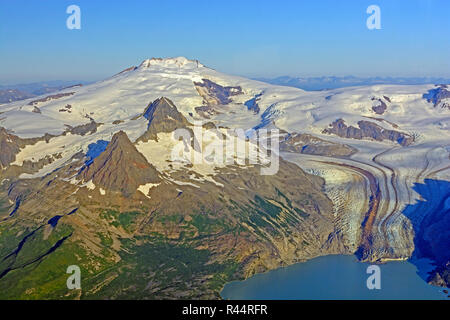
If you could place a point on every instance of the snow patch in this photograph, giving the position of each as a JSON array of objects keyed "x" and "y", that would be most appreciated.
[{"x": 145, "y": 188}]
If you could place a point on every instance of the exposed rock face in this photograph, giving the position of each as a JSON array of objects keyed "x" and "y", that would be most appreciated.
[
  {"x": 132, "y": 68},
  {"x": 77, "y": 85},
  {"x": 309, "y": 144},
  {"x": 215, "y": 94},
  {"x": 441, "y": 276},
  {"x": 36, "y": 110},
  {"x": 394, "y": 125},
  {"x": 84, "y": 129},
  {"x": 9, "y": 146},
  {"x": 370, "y": 130},
  {"x": 252, "y": 104},
  {"x": 120, "y": 167},
  {"x": 51, "y": 97},
  {"x": 67, "y": 108},
  {"x": 163, "y": 116},
  {"x": 381, "y": 107},
  {"x": 439, "y": 96},
  {"x": 206, "y": 111}
]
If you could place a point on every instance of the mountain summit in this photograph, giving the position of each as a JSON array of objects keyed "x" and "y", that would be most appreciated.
[
  {"x": 178, "y": 62},
  {"x": 162, "y": 116},
  {"x": 120, "y": 167}
]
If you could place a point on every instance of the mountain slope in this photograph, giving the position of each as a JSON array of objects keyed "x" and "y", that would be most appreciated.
[{"x": 204, "y": 232}]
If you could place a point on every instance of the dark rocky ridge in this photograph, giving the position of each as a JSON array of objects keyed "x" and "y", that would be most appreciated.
[
  {"x": 51, "y": 97},
  {"x": 309, "y": 144},
  {"x": 370, "y": 130},
  {"x": 132, "y": 68},
  {"x": 83, "y": 129}
]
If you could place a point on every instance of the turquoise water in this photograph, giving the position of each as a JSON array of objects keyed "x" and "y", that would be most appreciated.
[{"x": 333, "y": 277}]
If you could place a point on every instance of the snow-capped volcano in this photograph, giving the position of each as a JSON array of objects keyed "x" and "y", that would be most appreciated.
[
  {"x": 370, "y": 119},
  {"x": 364, "y": 150},
  {"x": 123, "y": 96}
]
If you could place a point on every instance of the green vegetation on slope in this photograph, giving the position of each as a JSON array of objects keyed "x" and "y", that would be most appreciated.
[{"x": 150, "y": 267}]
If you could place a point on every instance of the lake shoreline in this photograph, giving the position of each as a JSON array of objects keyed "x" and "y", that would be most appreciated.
[{"x": 400, "y": 280}]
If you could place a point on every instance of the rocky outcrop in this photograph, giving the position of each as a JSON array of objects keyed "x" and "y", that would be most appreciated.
[
  {"x": 206, "y": 111},
  {"x": 83, "y": 129},
  {"x": 309, "y": 144},
  {"x": 132, "y": 68},
  {"x": 120, "y": 168},
  {"x": 163, "y": 116},
  {"x": 369, "y": 130},
  {"x": 441, "y": 275},
  {"x": 51, "y": 97},
  {"x": 215, "y": 94},
  {"x": 380, "y": 106},
  {"x": 9, "y": 146},
  {"x": 439, "y": 97},
  {"x": 253, "y": 105}
]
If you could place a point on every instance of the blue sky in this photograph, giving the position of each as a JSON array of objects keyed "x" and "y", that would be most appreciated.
[{"x": 245, "y": 37}]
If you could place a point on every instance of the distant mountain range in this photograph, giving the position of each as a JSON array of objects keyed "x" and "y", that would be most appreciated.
[
  {"x": 332, "y": 82},
  {"x": 16, "y": 92}
]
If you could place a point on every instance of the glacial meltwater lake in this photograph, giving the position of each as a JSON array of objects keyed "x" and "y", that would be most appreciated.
[{"x": 334, "y": 277}]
